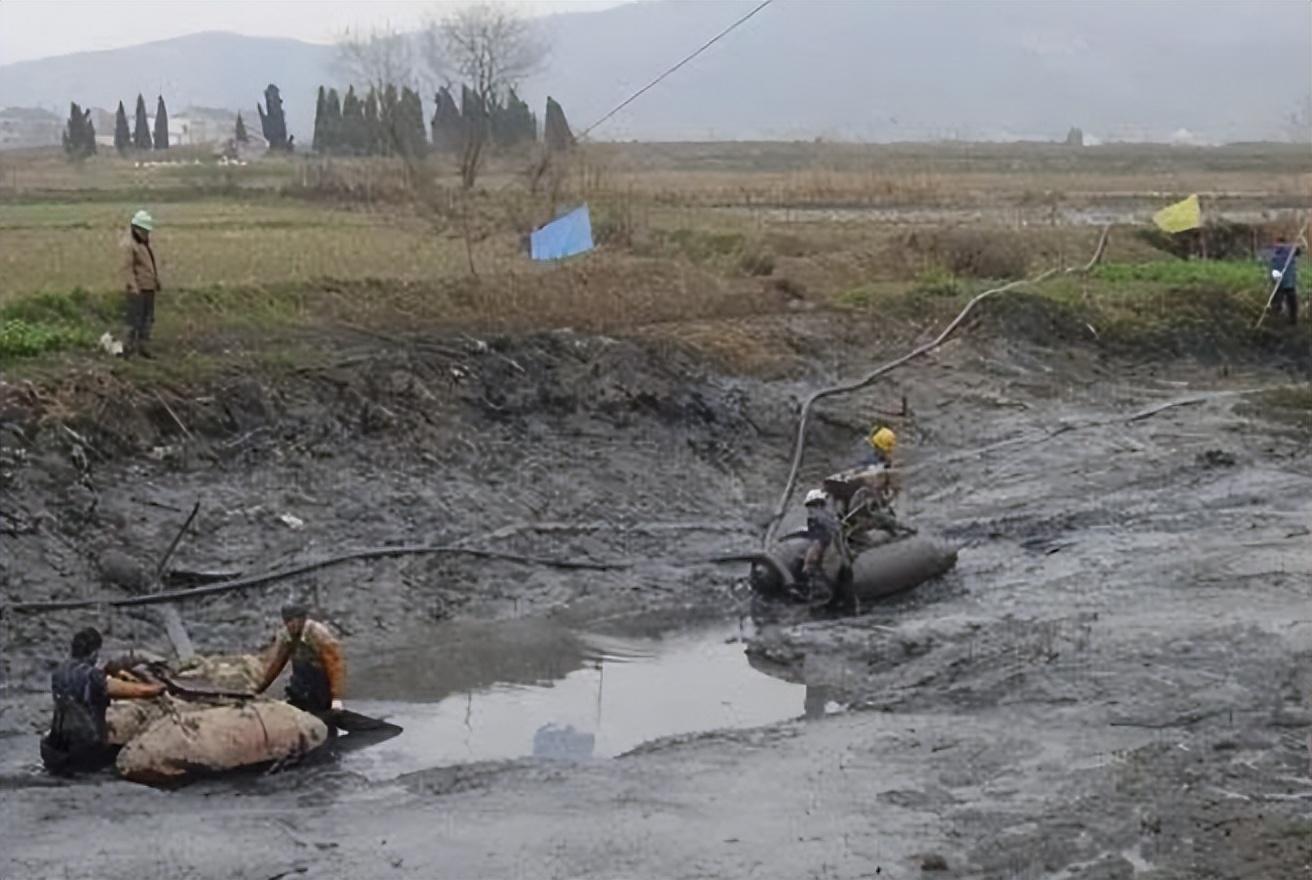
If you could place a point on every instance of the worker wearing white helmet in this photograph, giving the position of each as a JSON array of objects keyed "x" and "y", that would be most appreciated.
[
  {"x": 141, "y": 283},
  {"x": 824, "y": 565}
]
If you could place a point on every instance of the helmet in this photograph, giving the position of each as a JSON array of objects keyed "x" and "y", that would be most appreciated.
[
  {"x": 816, "y": 496},
  {"x": 883, "y": 439},
  {"x": 143, "y": 220}
]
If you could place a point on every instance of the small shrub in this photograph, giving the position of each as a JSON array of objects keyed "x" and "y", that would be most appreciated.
[
  {"x": 19, "y": 338},
  {"x": 937, "y": 281},
  {"x": 1219, "y": 240},
  {"x": 857, "y": 297},
  {"x": 789, "y": 288},
  {"x": 613, "y": 232},
  {"x": 700, "y": 245},
  {"x": 756, "y": 263},
  {"x": 973, "y": 253}
]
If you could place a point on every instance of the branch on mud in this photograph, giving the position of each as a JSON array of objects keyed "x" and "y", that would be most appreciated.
[
  {"x": 177, "y": 421},
  {"x": 601, "y": 526},
  {"x": 271, "y": 577},
  {"x": 855, "y": 385},
  {"x": 1188, "y": 720},
  {"x": 304, "y": 568}
]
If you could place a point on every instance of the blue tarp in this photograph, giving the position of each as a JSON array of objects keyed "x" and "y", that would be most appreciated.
[{"x": 563, "y": 237}]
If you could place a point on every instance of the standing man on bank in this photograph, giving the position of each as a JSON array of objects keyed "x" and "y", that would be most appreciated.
[
  {"x": 141, "y": 279},
  {"x": 1284, "y": 272}
]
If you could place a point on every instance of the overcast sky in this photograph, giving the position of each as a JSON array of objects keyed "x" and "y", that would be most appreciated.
[{"x": 41, "y": 28}]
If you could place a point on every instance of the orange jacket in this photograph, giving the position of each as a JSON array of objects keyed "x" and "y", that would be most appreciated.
[{"x": 316, "y": 646}]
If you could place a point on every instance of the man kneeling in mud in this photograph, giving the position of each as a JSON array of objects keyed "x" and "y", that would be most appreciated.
[
  {"x": 318, "y": 667},
  {"x": 78, "y": 741},
  {"x": 826, "y": 569}
]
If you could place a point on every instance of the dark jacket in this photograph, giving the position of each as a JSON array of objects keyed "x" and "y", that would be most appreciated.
[
  {"x": 81, "y": 695},
  {"x": 1279, "y": 254}
]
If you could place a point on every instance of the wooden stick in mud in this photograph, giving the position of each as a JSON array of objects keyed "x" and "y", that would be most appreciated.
[
  {"x": 168, "y": 554},
  {"x": 799, "y": 443}
]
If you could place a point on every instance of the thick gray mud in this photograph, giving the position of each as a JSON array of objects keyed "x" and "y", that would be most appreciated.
[{"x": 1111, "y": 684}]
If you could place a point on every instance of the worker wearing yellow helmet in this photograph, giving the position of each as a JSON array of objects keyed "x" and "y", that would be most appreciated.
[
  {"x": 870, "y": 506},
  {"x": 882, "y": 442}
]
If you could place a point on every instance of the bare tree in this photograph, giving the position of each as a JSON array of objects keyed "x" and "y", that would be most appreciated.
[
  {"x": 491, "y": 47},
  {"x": 379, "y": 57}
]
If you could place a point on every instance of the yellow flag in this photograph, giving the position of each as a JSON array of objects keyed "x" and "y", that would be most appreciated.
[{"x": 1180, "y": 216}]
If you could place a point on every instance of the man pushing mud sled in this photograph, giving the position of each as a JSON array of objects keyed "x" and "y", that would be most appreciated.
[
  {"x": 853, "y": 548},
  {"x": 160, "y": 725}
]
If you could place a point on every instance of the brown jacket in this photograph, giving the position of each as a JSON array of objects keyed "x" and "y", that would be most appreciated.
[{"x": 140, "y": 274}]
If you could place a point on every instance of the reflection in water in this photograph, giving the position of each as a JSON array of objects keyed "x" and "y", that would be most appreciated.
[
  {"x": 533, "y": 688},
  {"x": 563, "y": 743}
]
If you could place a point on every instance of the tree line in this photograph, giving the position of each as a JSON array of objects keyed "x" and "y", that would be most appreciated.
[
  {"x": 79, "y": 137},
  {"x": 391, "y": 122}
]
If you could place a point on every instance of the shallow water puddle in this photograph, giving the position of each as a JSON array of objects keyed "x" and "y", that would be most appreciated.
[{"x": 537, "y": 689}]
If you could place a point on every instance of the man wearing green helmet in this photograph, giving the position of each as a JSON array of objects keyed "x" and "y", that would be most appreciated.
[{"x": 142, "y": 283}]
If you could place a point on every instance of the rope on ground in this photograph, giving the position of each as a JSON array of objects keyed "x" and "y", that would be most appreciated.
[{"x": 799, "y": 443}]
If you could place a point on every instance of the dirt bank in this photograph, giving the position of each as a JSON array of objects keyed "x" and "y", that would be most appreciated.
[{"x": 1109, "y": 686}]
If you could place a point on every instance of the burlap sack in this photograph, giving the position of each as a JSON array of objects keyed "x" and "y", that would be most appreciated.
[{"x": 219, "y": 738}]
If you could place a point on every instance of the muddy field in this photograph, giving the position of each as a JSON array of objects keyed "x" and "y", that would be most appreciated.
[{"x": 1111, "y": 684}]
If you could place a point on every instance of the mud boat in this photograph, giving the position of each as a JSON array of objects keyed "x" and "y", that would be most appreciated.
[
  {"x": 881, "y": 564},
  {"x": 878, "y": 571},
  {"x": 209, "y": 724}
]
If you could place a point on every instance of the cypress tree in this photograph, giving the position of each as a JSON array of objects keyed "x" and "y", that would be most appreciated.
[
  {"x": 333, "y": 122},
  {"x": 141, "y": 128},
  {"x": 240, "y": 135},
  {"x": 408, "y": 124},
  {"x": 272, "y": 120},
  {"x": 79, "y": 135},
  {"x": 352, "y": 139},
  {"x": 122, "y": 134},
  {"x": 161, "y": 125},
  {"x": 448, "y": 127},
  {"x": 387, "y": 113},
  {"x": 319, "y": 143},
  {"x": 373, "y": 137}
]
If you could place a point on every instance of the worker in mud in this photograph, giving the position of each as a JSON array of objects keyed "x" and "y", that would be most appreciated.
[
  {"x": 881, "y": 442},
  {"x": 141, "y": 281},
  {"x": 318, "y": 667},
  {"x": 1284, "y": 273},
  {"x": 82, "y": 690},
  {"x": 866, "y": 496},
  {"x": 826, "y": 570}
]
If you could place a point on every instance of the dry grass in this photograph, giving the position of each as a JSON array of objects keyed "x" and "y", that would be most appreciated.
[{"x": 700, "y": 243}]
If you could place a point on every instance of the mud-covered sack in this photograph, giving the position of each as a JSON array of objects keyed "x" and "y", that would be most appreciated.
[
  {"x": 220, "y": 738},
  {"x": 235, "y": 672},
  {"x": 126, "y": 719}
]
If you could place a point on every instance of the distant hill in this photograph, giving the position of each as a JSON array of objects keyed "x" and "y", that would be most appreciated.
[{"x": 842, "y": 69}]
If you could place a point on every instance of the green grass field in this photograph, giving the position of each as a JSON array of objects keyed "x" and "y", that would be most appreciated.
[{"x": 252, "y": 257}]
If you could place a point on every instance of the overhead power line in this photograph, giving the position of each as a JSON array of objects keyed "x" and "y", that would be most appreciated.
[{"x": 708, "y": 44}]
